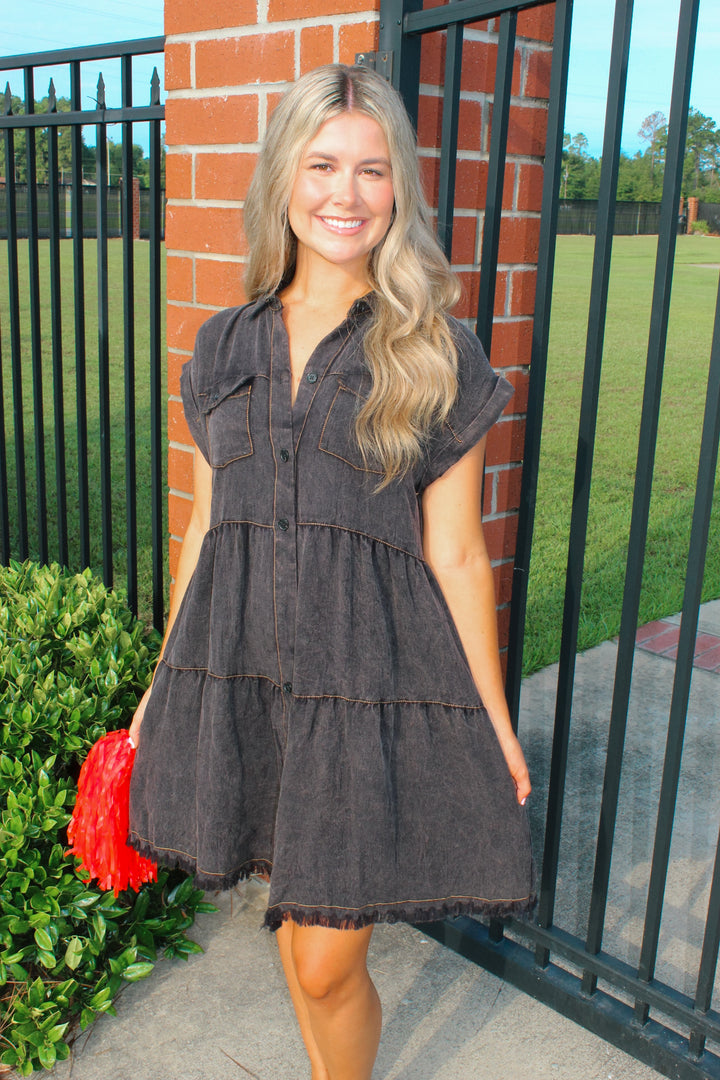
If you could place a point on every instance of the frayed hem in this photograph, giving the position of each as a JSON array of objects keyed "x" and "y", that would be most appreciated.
[
  {"x": 178, "y": 860},
  {"x": 415, "y": 913}
]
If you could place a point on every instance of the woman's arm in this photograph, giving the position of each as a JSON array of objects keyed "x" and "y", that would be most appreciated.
[
  {"x": 189, "y": 553},
  {"x": 454, "y": 548}
]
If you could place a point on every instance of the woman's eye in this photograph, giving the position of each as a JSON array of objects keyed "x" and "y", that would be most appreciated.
[{"x": 321, "y": 166}]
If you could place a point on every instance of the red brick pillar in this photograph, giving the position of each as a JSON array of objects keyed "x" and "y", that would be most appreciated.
[
  {"x": 692, "y": 210},
  {"x": 226, "y": 64}
]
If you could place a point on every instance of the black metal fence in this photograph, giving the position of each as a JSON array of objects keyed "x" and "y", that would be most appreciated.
[
  {"x": 710, "y": 212},
  {"x": 663, "y": 1024},
  {"x": 631, "y": 218},
  {"x": 580, "y": 216},
  {"x": 116, "y": 208},
  {"x": 82, "y": 328}
]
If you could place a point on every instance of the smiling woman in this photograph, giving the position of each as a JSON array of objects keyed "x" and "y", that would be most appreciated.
[{"x": 294, "y": 726}]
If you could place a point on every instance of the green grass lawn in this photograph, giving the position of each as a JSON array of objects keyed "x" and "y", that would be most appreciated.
[
  {"x": 685, "y": 383},
  {"x": 686, "y": 366},
  {"x": 117, "y": 406}
]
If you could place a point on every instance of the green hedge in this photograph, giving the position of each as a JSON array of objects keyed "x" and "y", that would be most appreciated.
[{"x": 73, "y": 664}]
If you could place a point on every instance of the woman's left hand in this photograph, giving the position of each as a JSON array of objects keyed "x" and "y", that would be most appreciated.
[{"x": 518, "y": 768}]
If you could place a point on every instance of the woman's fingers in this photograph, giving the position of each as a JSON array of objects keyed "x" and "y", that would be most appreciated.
[
  {"x": 522, "y": 787},
  {"x": 518, "y": 769},
  {"x": 137, "y": 720}
]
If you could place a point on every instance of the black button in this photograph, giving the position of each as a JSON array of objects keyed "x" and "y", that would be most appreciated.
[
  {"x": 311, "y": 376},
  {"x": 283, "y": 524},
  {"x": 287, "y": 687},
  {"x": 284, "y": 455}
]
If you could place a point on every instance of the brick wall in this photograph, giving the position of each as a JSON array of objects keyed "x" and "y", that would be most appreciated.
[{"x": 226, "y": 65}]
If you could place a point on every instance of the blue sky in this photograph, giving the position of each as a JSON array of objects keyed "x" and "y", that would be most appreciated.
[{"x": 50, "y": 24}]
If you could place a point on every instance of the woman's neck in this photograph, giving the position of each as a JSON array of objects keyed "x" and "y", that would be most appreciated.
[{"x": 325, "y": 286}]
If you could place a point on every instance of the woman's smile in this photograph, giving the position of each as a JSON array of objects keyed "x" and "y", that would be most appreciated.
[{"x": 343, "y": 224}]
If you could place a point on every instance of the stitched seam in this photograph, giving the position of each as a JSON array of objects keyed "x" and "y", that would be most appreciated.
[
  {"x": 200, "y": 869},
  {"x": 239, "y": 521},
  {"x": 387, "y": 701},
  {"x": 272, "y": 446},
  {"x": 392, "y": 903},
  {"x": 329, "y": 364},
  {"x": 460, "y": 439},
  {"x": 233, "y": 397},
  {"x": 213, "y": 675},
  {"x": 368, "y": 536},
  {"x": 358, "y": 468},
  {"x": 328, "y": 697}
]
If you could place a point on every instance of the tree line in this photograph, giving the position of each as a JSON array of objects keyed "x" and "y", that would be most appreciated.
[
  {"x": 640, "y": 176},
  {"x": 140, "y": 166}
]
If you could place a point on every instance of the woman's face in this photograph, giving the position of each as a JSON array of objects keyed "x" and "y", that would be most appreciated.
[{"x": 342, "y": 199}]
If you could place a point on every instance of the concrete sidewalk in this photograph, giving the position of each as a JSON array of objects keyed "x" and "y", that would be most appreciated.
[{"x": 226, "y": 1015}]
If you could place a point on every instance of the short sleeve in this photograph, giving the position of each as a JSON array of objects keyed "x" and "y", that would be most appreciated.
[
  {"x": 482, "y": 395},
  {"x": 195, "y": 420}
]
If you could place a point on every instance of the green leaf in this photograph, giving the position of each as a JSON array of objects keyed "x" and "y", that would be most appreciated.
[
  {"x": 186, "y": 948},
  {"x": 99, "y": 927},
  {"x": 46, "y": 959},
  {"x": 43, "y": 939},
  {"x": 74, "y": 953},
  {"x": 141, "y": 970},
  {"x": 47, "y": 1055},
  {"x": 182, "y": 892},
  {"x": 56, "y": 1033}
]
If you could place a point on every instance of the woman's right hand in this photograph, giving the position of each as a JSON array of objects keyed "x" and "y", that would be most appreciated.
[{"x": 137, "y": 720}]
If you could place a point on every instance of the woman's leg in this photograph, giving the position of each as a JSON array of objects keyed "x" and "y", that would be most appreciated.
[
  {"x": 284, "y": 937},
  {"x": 342, "y": 1003}
]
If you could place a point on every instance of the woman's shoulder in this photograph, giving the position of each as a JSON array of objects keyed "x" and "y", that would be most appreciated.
[
  {"x": 229, "y": 340},
  {"x": 228, "y": 321},
  {"x": 467, "y": 342}
]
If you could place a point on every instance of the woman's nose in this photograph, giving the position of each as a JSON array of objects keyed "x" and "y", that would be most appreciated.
[{"x": 346, "y": 191}]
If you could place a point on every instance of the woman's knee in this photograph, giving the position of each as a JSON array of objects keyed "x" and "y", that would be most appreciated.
[{"x": 329, "y": 964}]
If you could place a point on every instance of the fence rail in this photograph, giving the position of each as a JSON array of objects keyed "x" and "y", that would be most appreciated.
[
  {"x": 46, "y": 193},
  {"x": 631, "y": 218},
  {"x": 92, "y": 437}
]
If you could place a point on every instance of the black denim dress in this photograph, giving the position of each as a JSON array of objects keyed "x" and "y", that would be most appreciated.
[{"x": 314, "y": 715}]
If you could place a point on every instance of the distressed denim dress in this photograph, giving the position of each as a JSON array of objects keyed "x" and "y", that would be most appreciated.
[{"x": 314, "y": 716}]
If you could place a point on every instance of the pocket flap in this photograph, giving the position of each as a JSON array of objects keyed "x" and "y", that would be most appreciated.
[{"x": 209, "y": 399}]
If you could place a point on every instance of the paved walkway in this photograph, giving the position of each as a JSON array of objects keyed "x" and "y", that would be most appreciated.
[
  {"x": 662, "y": 636},
  {"x": 226, "y": 1015}
]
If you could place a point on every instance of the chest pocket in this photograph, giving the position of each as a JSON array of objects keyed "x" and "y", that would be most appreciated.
[
  {"x": 227, "y": 419},
  {"x": 338, "y": 438}
]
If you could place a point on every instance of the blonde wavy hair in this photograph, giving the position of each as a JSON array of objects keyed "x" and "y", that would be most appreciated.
[{"x": 408, "y": 346}]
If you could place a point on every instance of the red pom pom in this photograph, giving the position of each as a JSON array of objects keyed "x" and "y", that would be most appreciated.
[{"x": 100, "y": 822}]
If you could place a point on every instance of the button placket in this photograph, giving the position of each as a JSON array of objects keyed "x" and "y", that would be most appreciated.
[{"x": 284, "y": 512}]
